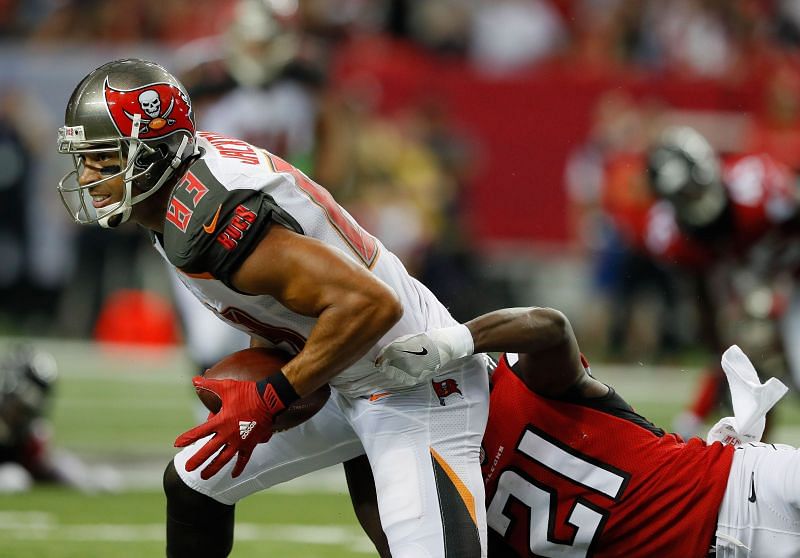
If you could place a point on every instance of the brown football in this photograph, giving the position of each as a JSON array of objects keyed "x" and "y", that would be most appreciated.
[{"x": 255, "y": 364}]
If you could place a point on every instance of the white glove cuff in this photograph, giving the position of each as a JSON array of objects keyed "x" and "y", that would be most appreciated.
[{"x": 453, "y": 342}]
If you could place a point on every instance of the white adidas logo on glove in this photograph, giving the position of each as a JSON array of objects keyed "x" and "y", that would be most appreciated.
[{"x": 245, "y": 428}]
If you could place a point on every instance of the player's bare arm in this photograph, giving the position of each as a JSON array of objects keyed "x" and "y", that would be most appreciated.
[
  {"x": 353, "y": 307},
  {"x": 543, "y": 338},
  {"x": 353, "y": 310},
  {"x": 549, "y": 356}
]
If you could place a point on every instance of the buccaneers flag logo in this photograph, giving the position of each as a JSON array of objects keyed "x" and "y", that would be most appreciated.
[
  {"x": 163, "y": 109},
  {"x": 445, "y": 388}
]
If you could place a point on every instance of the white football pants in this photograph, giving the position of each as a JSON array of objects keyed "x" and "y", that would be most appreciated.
[
  {"x": 423, "y": 445},
  {"x": 760, "y": 513}
]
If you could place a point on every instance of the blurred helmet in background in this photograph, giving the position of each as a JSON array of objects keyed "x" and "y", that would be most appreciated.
[
  {"x": 684, "y": 169},
  {"x": 258, "y": 44},
  {"x": 135, "y": 110},
  {"x": 27, "y": 381}
]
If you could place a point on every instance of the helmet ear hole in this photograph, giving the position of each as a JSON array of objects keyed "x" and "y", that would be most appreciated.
[
  {"x": 147, "y": 157},
  {"x": 153, "y": 162}
]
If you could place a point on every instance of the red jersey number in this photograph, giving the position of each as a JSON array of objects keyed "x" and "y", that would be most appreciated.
[
  {"x": 360, "y": 241},
  {"x": 585, "y": 518},
  {"x": 274, "y": 334}
]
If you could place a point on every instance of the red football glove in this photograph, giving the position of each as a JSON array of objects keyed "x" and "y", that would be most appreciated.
[{"x": 244, "y": 421}]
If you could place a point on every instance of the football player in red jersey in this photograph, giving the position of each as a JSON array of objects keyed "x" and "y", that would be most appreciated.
[
  {"x": 571, "y": 470},
  {"x": 271, "y": 252},
  {"x": 729, "y": 226}
]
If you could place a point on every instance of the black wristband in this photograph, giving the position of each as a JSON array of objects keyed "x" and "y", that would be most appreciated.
[{"x": 277, "y": 392}]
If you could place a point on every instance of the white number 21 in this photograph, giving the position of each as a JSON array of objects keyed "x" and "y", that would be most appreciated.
[{"x": 542, "y": 500}]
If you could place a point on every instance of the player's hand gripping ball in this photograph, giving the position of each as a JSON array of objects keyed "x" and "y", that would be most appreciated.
[
  {"x": 245, "y": 412},
  {"x": 253, "y": 365}
]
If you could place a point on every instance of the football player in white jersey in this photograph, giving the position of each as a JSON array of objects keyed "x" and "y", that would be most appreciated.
[
  {"x": 271, "y": 253},
  {"x": 252, "y": 87}
]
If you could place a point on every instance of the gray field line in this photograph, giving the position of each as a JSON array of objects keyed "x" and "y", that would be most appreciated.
[{"x": 25, "y": 525}]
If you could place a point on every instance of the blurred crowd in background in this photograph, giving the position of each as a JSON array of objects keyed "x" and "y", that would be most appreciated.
[{"x": 497, "y": 146}]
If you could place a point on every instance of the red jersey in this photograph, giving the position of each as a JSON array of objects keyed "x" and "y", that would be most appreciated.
[
  {"x": 574, "y": 477},
  {"x": 626, "y": 196},
  {"x": 762, "y": 196}
]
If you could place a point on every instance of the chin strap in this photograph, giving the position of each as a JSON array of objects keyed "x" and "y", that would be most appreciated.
[
  {"x": 178, "y": 159},
  {"x": 123, "y": 210}
]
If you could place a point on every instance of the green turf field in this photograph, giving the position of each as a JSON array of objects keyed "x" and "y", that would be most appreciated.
[
  {"x": 123, "y": 409},
  {"x": 57, "y": 523}
]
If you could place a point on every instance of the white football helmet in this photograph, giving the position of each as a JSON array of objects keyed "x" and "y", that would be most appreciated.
[{"x": 138, "y": 111}]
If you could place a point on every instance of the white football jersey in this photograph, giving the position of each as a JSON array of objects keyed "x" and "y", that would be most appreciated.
[{"x": 220, "y": 201}]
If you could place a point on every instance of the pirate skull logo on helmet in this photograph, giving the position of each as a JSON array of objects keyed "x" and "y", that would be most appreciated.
[{"x": 150, "y": 103}]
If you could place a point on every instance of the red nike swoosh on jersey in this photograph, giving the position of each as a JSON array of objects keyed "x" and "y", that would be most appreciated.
[{"x": 212, "y": 226}]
